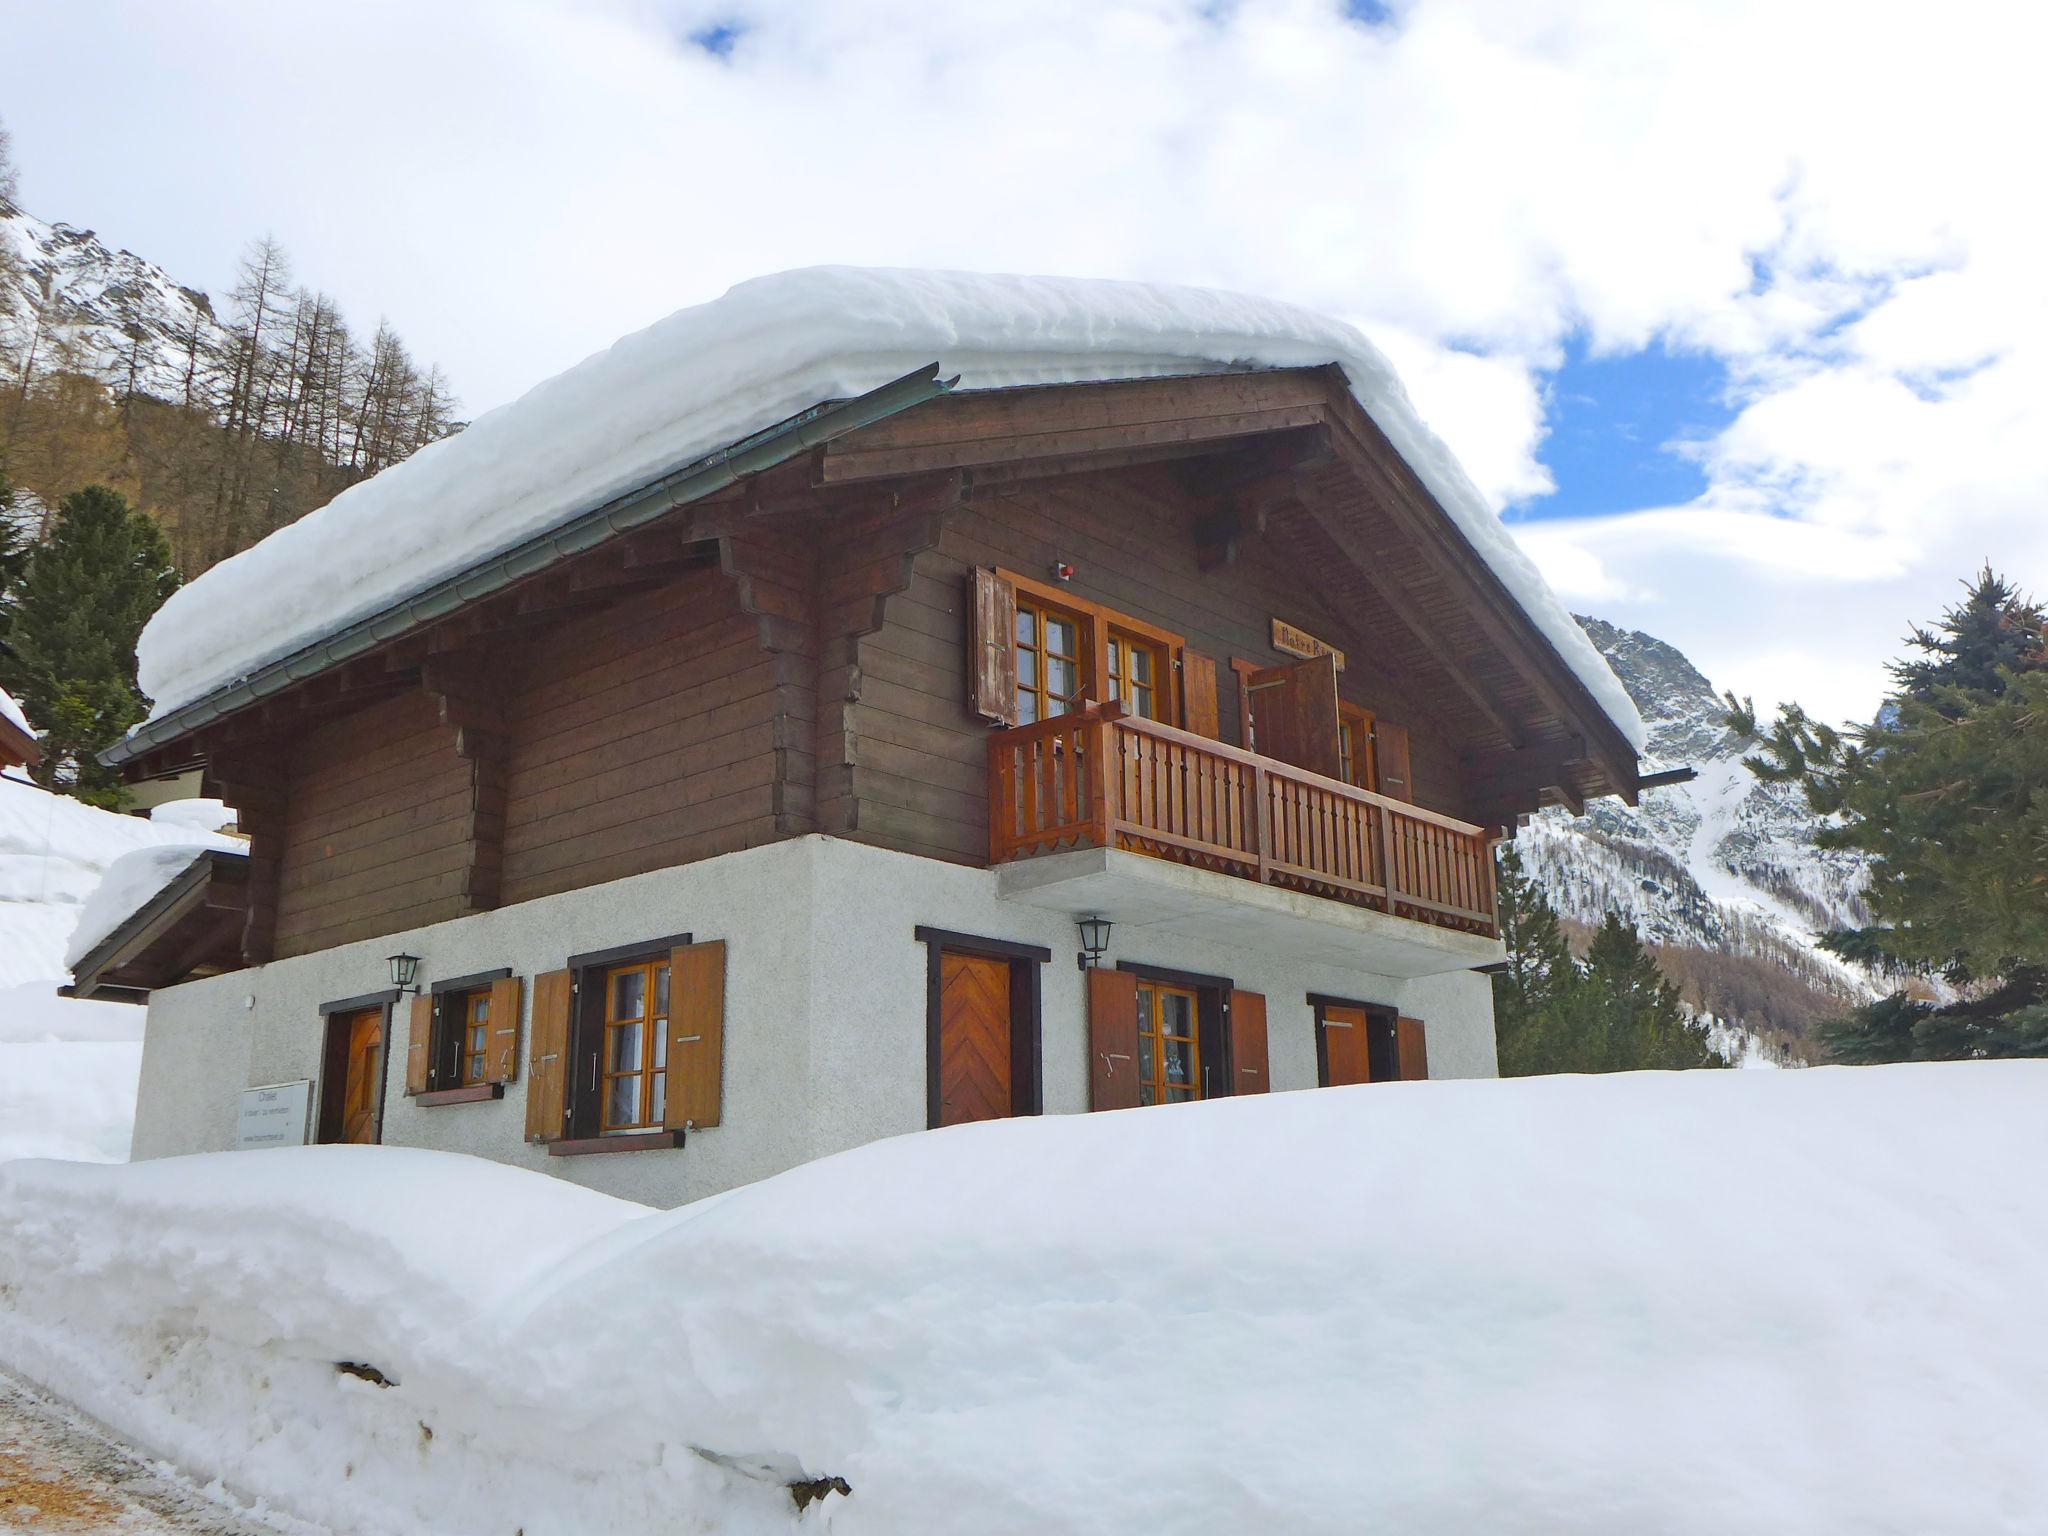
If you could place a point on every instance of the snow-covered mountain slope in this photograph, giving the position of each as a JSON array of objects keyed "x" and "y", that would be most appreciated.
[
  {"x": 107, "y": 311},
  {"x": 1722, "y": 873}
]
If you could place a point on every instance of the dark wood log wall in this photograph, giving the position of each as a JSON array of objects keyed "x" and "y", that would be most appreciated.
[
  {"x": 647, "y": 735},
  {"x": 374, "y": 830}
]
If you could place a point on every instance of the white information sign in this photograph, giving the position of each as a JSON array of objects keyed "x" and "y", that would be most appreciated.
[{"x": 273, "y": 1116}]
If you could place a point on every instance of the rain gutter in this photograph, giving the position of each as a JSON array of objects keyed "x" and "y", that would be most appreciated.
[{"x": 687, "y": 483}]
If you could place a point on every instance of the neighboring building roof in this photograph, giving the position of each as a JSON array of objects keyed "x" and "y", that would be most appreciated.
[
  {"x": 709, "y": 376},
  {"x": 158, "y": 916}
]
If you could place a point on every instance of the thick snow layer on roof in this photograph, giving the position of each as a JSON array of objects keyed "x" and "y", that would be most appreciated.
[
  {"x": 11, "y": 712},
  {"x": 707, "y": 376},
  {"x": 1685, "y": 1303},
  {"x": 131, "y": 882}
]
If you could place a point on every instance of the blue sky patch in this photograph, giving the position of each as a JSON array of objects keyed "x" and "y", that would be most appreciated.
[
  {"x": 718, "y": 40},
  {"x": 1613, "y": 421}
]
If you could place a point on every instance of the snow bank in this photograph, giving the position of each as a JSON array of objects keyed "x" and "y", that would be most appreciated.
[
  {"x": 709, "y": 375},
  {"x": 1693, "y": 1303},
  {"x": 195, "y": 815},
  {"x": 132, "y": 881}
]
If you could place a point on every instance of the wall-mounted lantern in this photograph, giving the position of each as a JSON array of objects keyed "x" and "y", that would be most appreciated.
[
  {"x": 1094, "y": 940},
  {"x": 405, "y": 969}
]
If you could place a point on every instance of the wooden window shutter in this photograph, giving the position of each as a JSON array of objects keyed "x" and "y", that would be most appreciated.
[
  {"x": 419, "y": 1046},
  {"x": 1391, "y": 743},
  {"x": 1198, "y": 695},
  {"x": 1112, "y": 1040},
  {"x": 696, "y": 1030},
  {"x": 993, "y": 690},
  {"x": 1248, "y": 1042},
  {"x": 1413, "y": 1051},
  {"x": 1294, "y": 714},
  {"x": 547, "y": 1056},
  {"x": 506, "y": 996}
]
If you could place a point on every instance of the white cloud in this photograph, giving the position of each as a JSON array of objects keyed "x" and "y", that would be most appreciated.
[{"x": 1835, "y": 198}]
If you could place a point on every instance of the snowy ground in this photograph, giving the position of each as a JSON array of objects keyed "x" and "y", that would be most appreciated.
[
  {"x": 60, "y": 1474},
  {"x": 1685, "y": 1303}
]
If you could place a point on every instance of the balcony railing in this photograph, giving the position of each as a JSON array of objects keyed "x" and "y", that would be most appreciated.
[{"x": 1101, "y": 778}]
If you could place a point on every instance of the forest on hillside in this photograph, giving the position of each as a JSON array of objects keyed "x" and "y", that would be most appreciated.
[{"x": 224, "y": 425}]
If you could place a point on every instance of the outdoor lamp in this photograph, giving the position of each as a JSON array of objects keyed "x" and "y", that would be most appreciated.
[
  {"x": 1094, "y": 940},
  {"x": 403, "y": 969}
]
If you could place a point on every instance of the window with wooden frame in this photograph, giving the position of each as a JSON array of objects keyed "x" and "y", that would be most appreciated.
[
  {"x": 1051, "y": 660},
  {"x": 1356, "y": 758},
  {"x": 1041, "y": 651},
  {"x": 628, "y": 1047},
  {"x": 465, "y": 1039},
  {"x": 635, "y": 1051},
  {"x": 1163, "y": 1037},
  {"x": 1169, "y": 1044}
]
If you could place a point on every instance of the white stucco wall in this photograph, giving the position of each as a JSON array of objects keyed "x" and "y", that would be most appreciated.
[{"x": 825, "y": 1010}]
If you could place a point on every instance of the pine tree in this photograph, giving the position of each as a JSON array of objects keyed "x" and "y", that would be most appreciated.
[
  {"x": 1947, "y": 793},
  {"x": 1642, "y": 1024},
  {"x": 71, "y": 660}
]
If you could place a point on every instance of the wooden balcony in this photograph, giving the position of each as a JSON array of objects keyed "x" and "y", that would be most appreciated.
[{"x": 1101, "y": 778}]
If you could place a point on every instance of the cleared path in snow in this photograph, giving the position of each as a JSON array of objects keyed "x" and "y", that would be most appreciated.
[{"x": 59, "y": 1474}]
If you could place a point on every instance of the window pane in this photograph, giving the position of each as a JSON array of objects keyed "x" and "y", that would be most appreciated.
[
  {"x": 1179, "y": 1095},
  {"x": 1027, "y": 707},
  {"x": 625, "y": 1042},
  {"x": 660, "y": 1042},
  {"x": 1060, "y": 637},
  {"x": 1145, "y": 1058},
  {"x": 1027, "y": 669},
  {"x": 1141, "y": 665},
  {"x": 661, "y": 991},
  {"x": 1027, "y": 625},
  {"x": 1144, "y": 1008},
  {"x": 660, "y": 1099},
  {"x": 1141, "y": 701},
  {"x": 1176, "y": 1013},
  {"x": 622, "y": 1102},
  {"x": 1062, "y": 678},
  {"x": 1180, "y": 1061},
  {"x": 1146, "y": 1095},
  {"x": 480, "y": 1007},
  {"x": 629, "y": 994}
]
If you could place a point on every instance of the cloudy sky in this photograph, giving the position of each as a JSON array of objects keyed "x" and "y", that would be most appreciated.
[{"x": 1738, "y": 311}]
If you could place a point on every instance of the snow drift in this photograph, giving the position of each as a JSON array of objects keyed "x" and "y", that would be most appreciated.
[
  {"x": 707, "y": 376},
  {"x": 1703, "y": 1303},
  {"x": 68, "y": 1069}
]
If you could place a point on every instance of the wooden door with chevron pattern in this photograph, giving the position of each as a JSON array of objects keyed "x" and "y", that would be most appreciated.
[{"x": 974, "y": 1038}]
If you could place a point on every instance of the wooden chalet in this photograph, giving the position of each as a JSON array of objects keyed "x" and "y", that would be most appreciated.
[{"x": 863, "y": 734}]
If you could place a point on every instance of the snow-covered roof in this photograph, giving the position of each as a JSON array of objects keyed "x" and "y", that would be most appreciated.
[
  {"x": 710, "y": 375},
  {"x": 132, "y": 882},
  {"x": 12, "y": 714}
]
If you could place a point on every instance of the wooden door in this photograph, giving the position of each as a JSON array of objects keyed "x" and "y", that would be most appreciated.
[
  {"x": 362, "y": 1075},
  {"x": 1346, "y": 1047},
  {"x": 1294, "y": 714},
  {"x": 974, "y": 1038}
]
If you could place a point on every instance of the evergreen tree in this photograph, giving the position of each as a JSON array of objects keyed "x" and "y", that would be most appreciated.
[
  {"x": 1642, "y": 1024},
  {"x": 71, "y": 659},
  {"x": 1947, "y": 793},
  {"x": 1615, "y": 1013}
]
